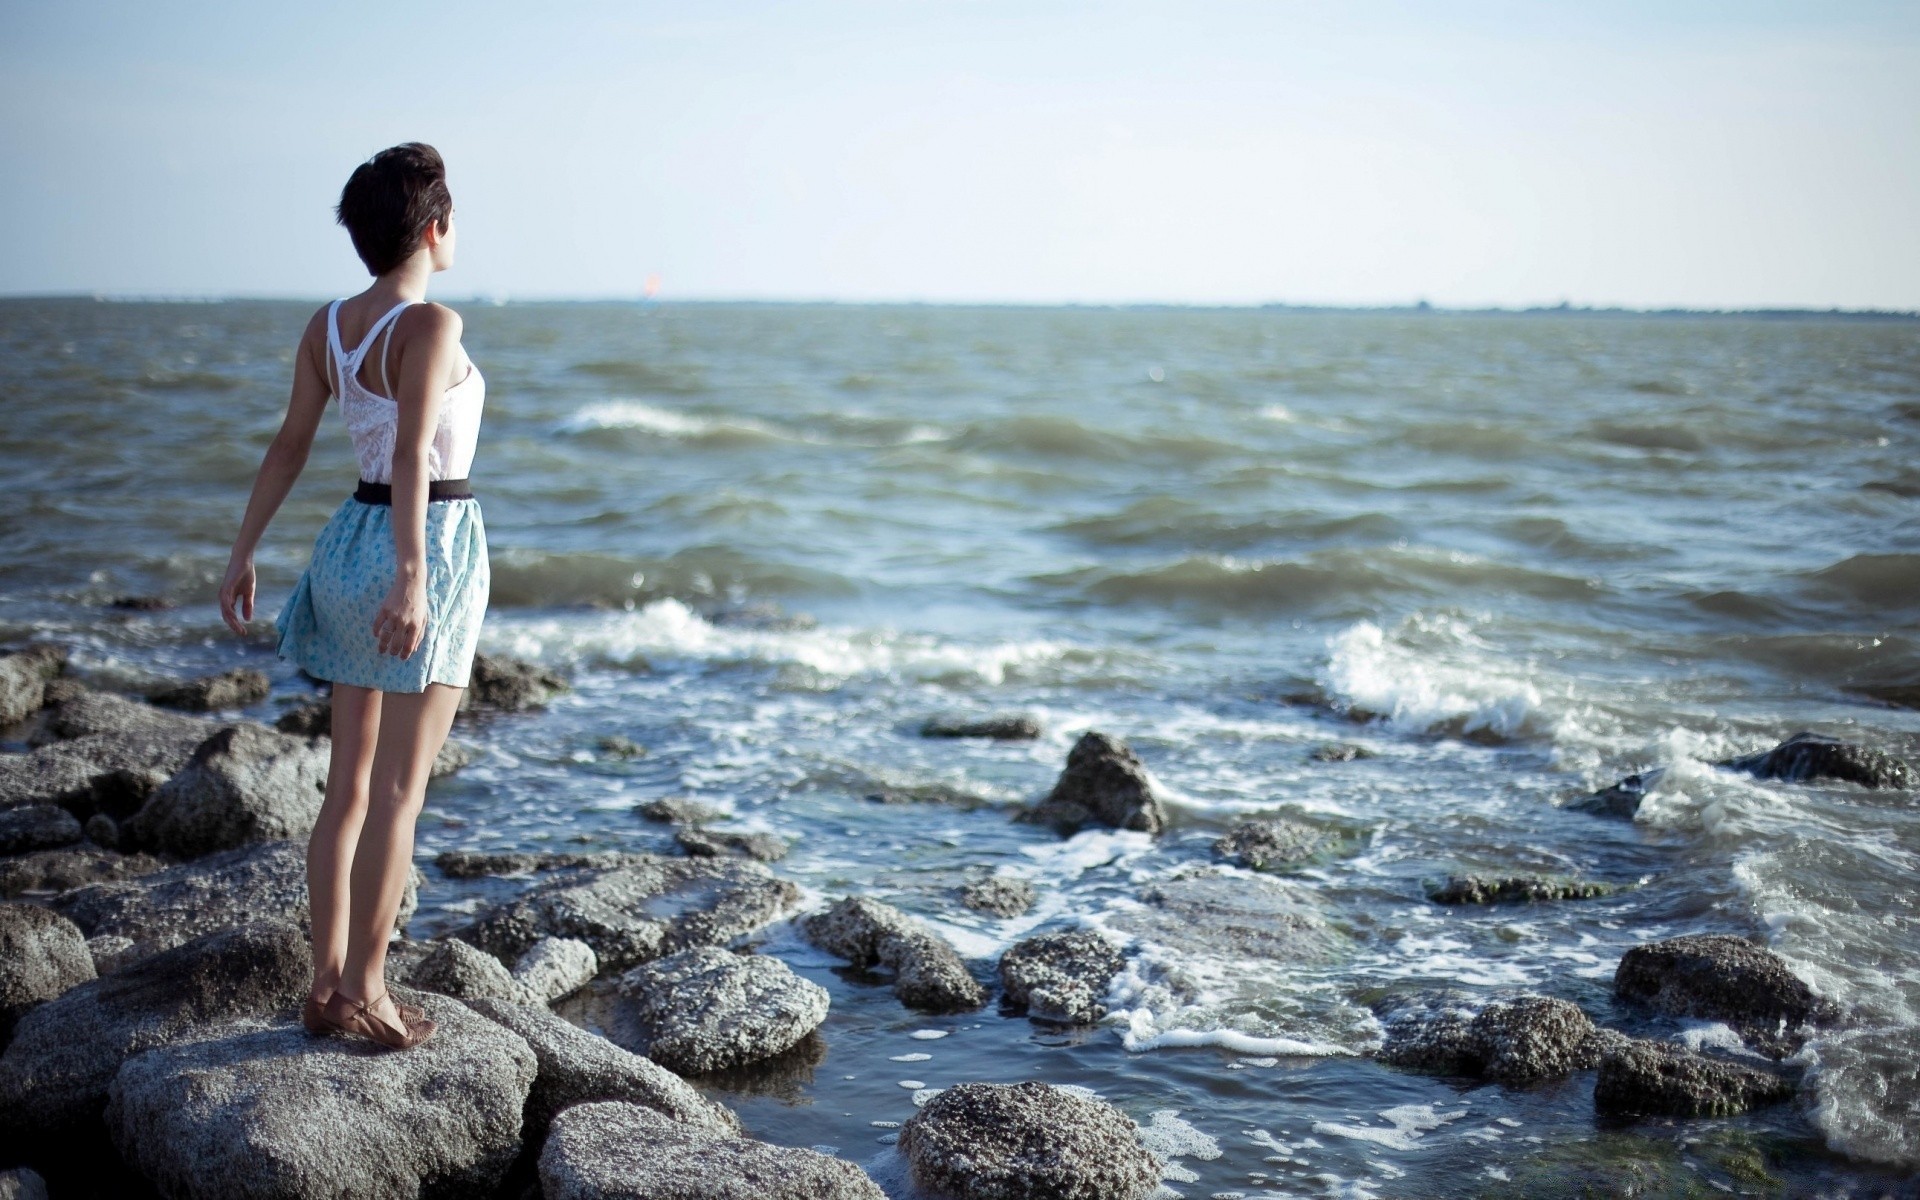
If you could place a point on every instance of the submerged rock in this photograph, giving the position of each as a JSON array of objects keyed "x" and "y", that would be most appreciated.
[
  {"x": 1486, "y": 889},
  {"x": 244, "y": 784},
  {"x": 1061, "y": 976},
  {"x": 1001, "y": 896},
  {"x": 575, "y": 1067},
  {"x": 987, "y": 1141},
  {"x": 649, "y": 907},
  {"x": 229, "y": 689},
  {"x": 69, "y": 868},
  {"x": 713, "y": 843},
  {"x": 614, "y": 1151},
  {"x": 1104, "y": 783},
  {"x": 42, "y": 955},
  {"x": 1655, "y": 1079},
  {"x": 1270, "y": 842},
  {"x": 510, "y": 685},
  {"x": 679, "y": 810},
  {"x": 1622, "y": 799},
  {"x": 556, "y": 967},
  {"x": 1232, "y": 916},
  {"x": 1332, "y": 752},
  {"x": 1000, "y": 726},
  {"x": 1516, "y": 1040},
  {"x": 927, "y": 974},
  {"x": 250, "y": 1112},
  {"x": 1809, "y": 756},
  {"x": 55, "y": 1072},
  {"x": 706, "y": 1009},
  {"x": 1721, "y": 978},
  {"x": 37, "y": 827},
  {"x": 24, "y": 675}
]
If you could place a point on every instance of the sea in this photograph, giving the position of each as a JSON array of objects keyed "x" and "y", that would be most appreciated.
[{"x": 1509, "y": 557}]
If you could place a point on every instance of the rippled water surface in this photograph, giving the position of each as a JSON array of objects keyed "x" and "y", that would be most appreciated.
[{"x": 768, "y": 541}]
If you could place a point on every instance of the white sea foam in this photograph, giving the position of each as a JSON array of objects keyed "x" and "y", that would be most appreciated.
[
  {"x": 1406, "y": 1125},
  {"x": 662, "y": 422},
  {"x": 1434, "y": 675}
]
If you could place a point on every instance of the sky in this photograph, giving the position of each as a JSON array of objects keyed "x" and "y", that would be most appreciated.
[{"x": 1466, "y": 153}]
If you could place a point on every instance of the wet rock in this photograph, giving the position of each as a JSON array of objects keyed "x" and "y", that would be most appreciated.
[
  {"x": 1232, "y": 916},
  {"x": 454, "y": 968},
  {"x": 999, "y": 896},
  {"x": 988, "y": 1141},
  {"x": 927, "y": 974},
  {"x": 1721, "y": 978},
  {"x": 575, "y": 1067},
  {"x": 229, "y": 689},
  {"x": 510, "y": 685},
  {"x": 931, "y": 792},
  {"x": 36, "y": 827},
  {"x": 22, "y": 1184},
  {"x": 176, "y": 904},
  {"x": 272, "y": 1112},
  {"x": 1642, "y": 1078},
  {"x": 24, "y": 675},
  {"x": 713, "y": 843},
  {"x": 555, "y": 967},
  {"x": 1336, "y": 752},
  {"x": 614, "y": 1151},
  {"x": 476, "y": 864},
  {"x": 1061, "y": 976},
  {"x": 42, "y": 954},
  {"x": 652, "y": 906},
  {"x": 47, "y": 871},
  {"x": 1270, "y": 842},
  {"x": 1517, "y": 1040},
  {"x": 618, "y": 745},
  {"x": 1000, "y": 726},
  {"x": 1486, "y": 889},
  {"x": 706, "y": 1010},
  {"x": 1805, "y": 757},
  {"x": 245, "y": 784},
  {"x": 679, "y": 810},
  {"x": 1622, "y": 799},
  {"x": 55, "y": 1072},
  {"x": 131, "y": 603},
  {"x": 1104, "y": 783}
]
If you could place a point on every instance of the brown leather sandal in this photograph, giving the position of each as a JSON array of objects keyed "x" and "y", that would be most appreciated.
[
  {"x": 313, "y": 1015},
  {"x": 360, "y": 1019}
]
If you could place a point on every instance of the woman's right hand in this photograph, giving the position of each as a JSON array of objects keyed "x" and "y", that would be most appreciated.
[
  {"x": 402, "y": 619},
  {"x": 236, "y": 594}
]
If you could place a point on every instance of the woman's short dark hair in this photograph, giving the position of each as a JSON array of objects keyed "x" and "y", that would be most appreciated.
[{"x": 389, "y": 201}]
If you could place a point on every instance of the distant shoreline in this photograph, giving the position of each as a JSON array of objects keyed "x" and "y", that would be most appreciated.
[{"x": 1419, "y": 309}]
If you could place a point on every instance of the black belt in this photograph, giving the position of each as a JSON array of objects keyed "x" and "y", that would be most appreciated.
[{"x": 437, "y": 489}]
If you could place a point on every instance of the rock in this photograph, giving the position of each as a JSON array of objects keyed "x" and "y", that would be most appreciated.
[
  {"x": 22, "y": 1184},
  {"x": 229, "y": 689},
  {"x": 509, "y": 685},
  {"x": 140, "y": 603},
  {"x": 1104, "y": 783},
  {"x": 712, "y": 843},
  {"x": 36, "y": 827},
  {"x": 99, "y": 752},
  {"x": 1000, "y": 726},
  {"x": 1517, "y": 1040},
  {"x": 614, "y": 1151},
  {"x": 102, "y": 830},
  {"x": 651, "y": 906},
  {"x": 1232, "y": 916},
  {"x": 24, "y": 675},
  {"x": 1809, "y": 756},
  {"x": 679, "y": 810},
  {"x": 252, "y": 1112},
  {"x": 451, "y": 756},
  {"x": 93, "y": 713},
  {"x": 475, "y": 864},
  {"x": 1721, "y": 978},
  {"x": 54, "y": 1074},
  {"x": 928, "y": 975},
  {"x": 618, "y": 745},
  {"x": 1000, "y": 896},
  {"x": 63, "y": 689},
  {"x": 453, "y": 968},
  {"x": 63, "y": 870},
  {"x": 1654, "y": 1079},
  {"x": 245, "y": 784},
  {"x": 309, "y": 718},
  {"x": 1270, "y": 842},
  {"x": 42, "y": 954},
  {"x": 1623, "y": 798},
  {"x": 706, "y": 1010},
  {"x": 176, "y": 904},
  {"x": 1484, "y": 889},
  {"x": 1333, "y": 752},
  {"x": 111, "y": 952},
  {"x": 987, "y": 1141},
  {"x": 555, "y": 967},
  {"x": 1061, "y": 976},
  {"x": 575, "y": 1067}
]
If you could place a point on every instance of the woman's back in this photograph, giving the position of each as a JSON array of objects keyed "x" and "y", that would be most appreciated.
[{"x": 373, "y": 416}]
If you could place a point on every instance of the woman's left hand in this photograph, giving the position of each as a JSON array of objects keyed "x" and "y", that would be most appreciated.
[{"x": 236, "y": 595}]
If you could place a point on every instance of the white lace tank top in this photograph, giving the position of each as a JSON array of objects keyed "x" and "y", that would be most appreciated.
[{"x": 373, "y": 419}]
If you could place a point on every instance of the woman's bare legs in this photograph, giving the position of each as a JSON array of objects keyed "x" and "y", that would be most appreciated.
[
  {"x": 356, "y": 724},
  {"x": 412, "y": 728}
]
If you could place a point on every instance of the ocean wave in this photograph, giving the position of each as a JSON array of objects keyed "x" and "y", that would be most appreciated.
[
  {"x": 702, "y": 575},
  {"x": 1434, "y": 675},
  {"x": 1173, "y": 521},
  {"x": 638, "y": 417},
  {"x": 1887, "y": 582},
  {"x": 646, "y": 378},
  {"x": 1047, "y": 436}
]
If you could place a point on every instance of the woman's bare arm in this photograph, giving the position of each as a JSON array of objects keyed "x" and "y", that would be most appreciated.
[
  {"x": 285, "y": 458},
  {"x": 428, "y": 352}
]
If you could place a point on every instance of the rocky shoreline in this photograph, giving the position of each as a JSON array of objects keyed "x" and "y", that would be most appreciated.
[{"x": 152, "y": 868}]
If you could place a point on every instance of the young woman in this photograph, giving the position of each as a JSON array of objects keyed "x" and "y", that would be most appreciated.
[{"x": 389, "y": 608}]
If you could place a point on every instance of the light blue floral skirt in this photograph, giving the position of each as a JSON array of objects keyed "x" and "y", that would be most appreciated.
[{"x": 326, "y": 625}]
